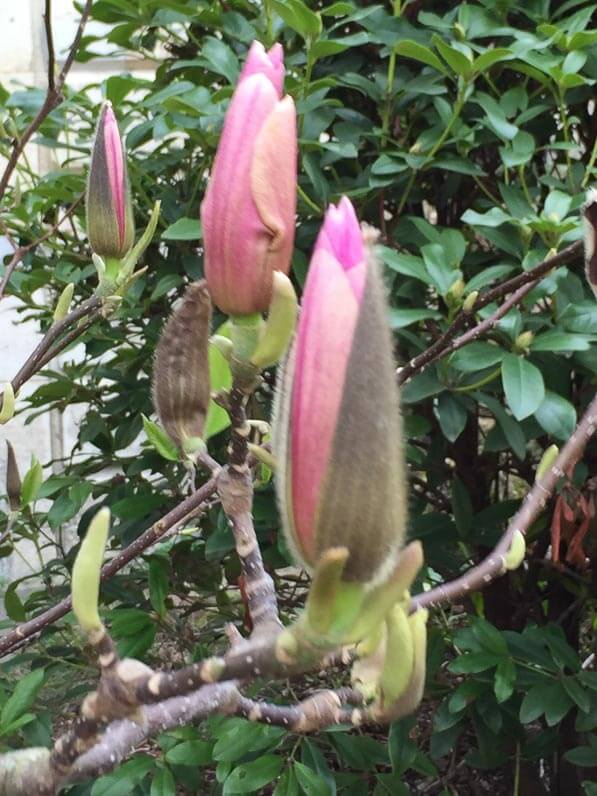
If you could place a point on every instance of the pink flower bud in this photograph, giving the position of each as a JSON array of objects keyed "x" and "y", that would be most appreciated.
[
  {"x": 110, "y": 225},
  {"x": 249, "y": 207},
  {"x": 338, "y": 431}
]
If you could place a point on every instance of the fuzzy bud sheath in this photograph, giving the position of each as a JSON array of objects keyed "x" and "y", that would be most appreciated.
[
  {"x": 110, "y": 224},
  {"x": 590, "y": 224},
  {"x": 338, "y": 429},
  {"x": 181, "y": 388},
  {"x": 248, "y": 213}
]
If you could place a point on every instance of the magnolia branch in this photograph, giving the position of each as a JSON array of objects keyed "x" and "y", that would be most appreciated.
[
  {"x": 235, "y": 488},
  {"x": 191, "y": 693},
  {"x": 519, "y": 285},
  {"x": 494, "y": 564},
  {"x": 182, "y": 512},
  {"x": 51, "y": 344},
  {"x": 53, "y": 96}
]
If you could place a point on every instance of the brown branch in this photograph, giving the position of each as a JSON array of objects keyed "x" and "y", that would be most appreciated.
[
  {"x": 494, "y": 564},
  {"x": 91, "y": 308},
  {"x": 52, "y": 100},
  {"x": 50, "y": 45},
  {"x": 16, "y": 636},
  {"x": 444, "y": 344},
  {"x": 235, "y": 488}
]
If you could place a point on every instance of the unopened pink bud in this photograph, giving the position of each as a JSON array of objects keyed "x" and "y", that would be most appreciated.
[
  {"x": 110, "y": 225},
  {"x": 338, "y": 431},
  {"x": 248, "y": 213}
]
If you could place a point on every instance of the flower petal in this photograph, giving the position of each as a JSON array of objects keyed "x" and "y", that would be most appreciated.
[
  {"x": 235, "y": 238},
  {"x": 324, "y": 341},
  {"x": 270, "y": 64},
  {"x": 273, "y": 181}
]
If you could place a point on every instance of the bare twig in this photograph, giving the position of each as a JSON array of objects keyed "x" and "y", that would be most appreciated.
[
  {"x": 90, "y": 309},
  {"x": 236, "y": 493},
  {"x": 494, "y": 564},
  {"x": 14, "y": 637},
  {"x": 50, "y": 45},
  {"x": 444, "y": 345},
  {"x": 52, "y": 100}
]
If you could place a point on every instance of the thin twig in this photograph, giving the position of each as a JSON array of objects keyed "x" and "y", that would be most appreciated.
[
  {"x": 494, "y": 564},
  {"x": 14, "y": 637},
  {"x": 52, "y": 100},
  {"x": 50, "y": 45},
  {"x": 529, "y": 278},
  {"x": 235, "y": 488},
  {"x": 90, "y": 308}
]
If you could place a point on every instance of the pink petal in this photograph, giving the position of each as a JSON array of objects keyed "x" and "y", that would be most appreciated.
[
  {"x": 341, "y": 234},
  {"x": 115, "y": 163},
  {"x": 324, "y": 341},
  {"x": 270, "y": 64},
  {"x": 273, "y": 181},
  {"x": 235, "y": 238}
]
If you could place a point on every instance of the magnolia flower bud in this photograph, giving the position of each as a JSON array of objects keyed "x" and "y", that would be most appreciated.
[
  {"x": 7, "y": 406},
  {"x": 13, "y": 479},
  {"x": 523, "y": 341},
  {"x": 338, "y": 431},
  {"x": 181, "y": 389},
  {"x": 249, "y": 208},
  {"x": 110, "y": 224},
  {"x": 64, "y": 301},
  {"x": 590, "y": 223},
  {"x": 85, "y": 578}
]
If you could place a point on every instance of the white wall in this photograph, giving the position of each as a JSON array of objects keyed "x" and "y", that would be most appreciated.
[{"x": 24, "y": 62}]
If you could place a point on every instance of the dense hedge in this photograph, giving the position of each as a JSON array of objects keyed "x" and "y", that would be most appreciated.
[{"x": 466, "y": 133}]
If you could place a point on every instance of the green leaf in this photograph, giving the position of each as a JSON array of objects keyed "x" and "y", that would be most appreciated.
[
  {"x": 312, "y": 784},
  {"x": 557, "y": 205},
  {"x": 489, "y": 637},
  {"x": 163, "y": 783},
  {"x": 287, "y": 785},
  {"x": 22, "y": 698},
  {"x": 523, "y": 385},
  {"x": 451, "y": 415},
  {"x": 476, "y": 356},
  {"x": 457, "y": 61},
  {"x": 250, "y": 777},
  {"x": 299, "y": 17},
  {"x": 191, "y": 753},
  {"x": 160, "y": 440},
  {"x": 411, "y": 49},
  {"x": 31, "y": 482},
  {"x": 405, "y": 264},
  {"x": 491, "y": 57},
  {"x": 183, "y": 229},
  {"x": 221, "y": 59},
  {"x": 13, "y": 606},
  {"x": 158, "y": 584},
  {"x": 220, "y": 379},
  {"x": 439, "y": 267},
  {"x": 582, "y": 756},
  {"x": 422, "y": 385},
  {"x": 555, "y": 340},
  {"x": 123, "y": 781},
  {"x": 492, "y": 218},
  {"x": 401, "y": 318},
  {"x": 505, "y": 678},
  {"x": 512, "y": 430},
  {"x": 556, "y": 415},
  {"x": 577, "y": 693},
  {"x": 473, "y": 662}
]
